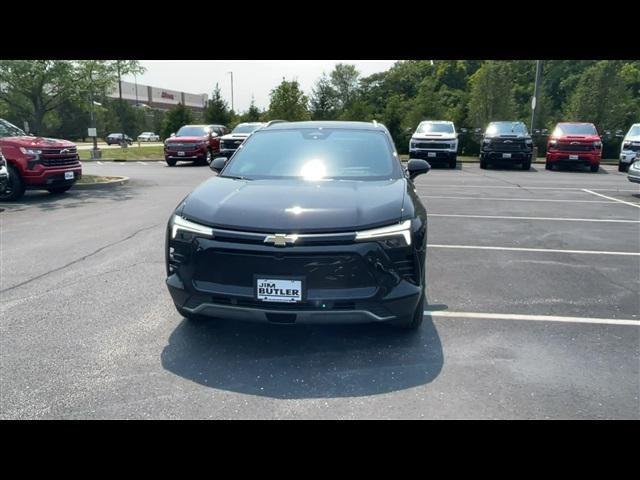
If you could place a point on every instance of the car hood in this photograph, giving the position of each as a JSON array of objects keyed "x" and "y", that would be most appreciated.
[
  {"x": 235, "y": 136},
  {"x": 286, "y": 206},
  {"x": 434, "y": 136},
  {"x": 37, "y": 142},
  {"x": 632, "y": 138},
  {"x": 186, "y": 139}
]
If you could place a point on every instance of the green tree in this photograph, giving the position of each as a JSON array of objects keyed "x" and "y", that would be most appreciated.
[
  {"x": 344, "y": 79},
  {"x": 217, "y": 110},
  {"x": 491, "y": 93},
  {"x": 288, "y": 102},
  {"x": 253, "y": 114},
  {"x": 176, "y": 118},
  {"x": 324, "y": 102}
]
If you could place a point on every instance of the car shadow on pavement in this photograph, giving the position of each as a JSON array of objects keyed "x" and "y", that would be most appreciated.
[{"x": 296, "y": 362}]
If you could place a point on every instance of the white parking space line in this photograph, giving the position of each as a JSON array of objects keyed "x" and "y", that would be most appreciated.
[
  {"x": 539, "y": 250},
  {"x": 500, "y": 199},
  {"x": 525, "y": 187},
  {"x": 612, "y": 198},
  {"x": 142, "y": 163},
  {"x": 532, "y": 318},
  {"x": 100, "y": 163},
  {"x": 501, "y": 217}
]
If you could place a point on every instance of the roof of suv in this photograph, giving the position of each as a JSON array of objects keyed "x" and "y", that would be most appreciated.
[{"x": 327, "y": 124}]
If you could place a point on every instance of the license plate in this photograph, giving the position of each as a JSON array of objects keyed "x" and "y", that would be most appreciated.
[
  {"x": 68, "y": 175},
  {"x": 573, "y": 157},
  {"x": 181, "y": 154},
  {"x": 431, "y": 154},
  {"x": 278, "y": 290},
  {"x": 506, "y": 155}
]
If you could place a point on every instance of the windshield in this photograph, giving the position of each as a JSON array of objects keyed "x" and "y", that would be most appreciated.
[
  {"x": 9, "y": 130},
  {"x": 634, "y": 131},
  {"x": 192, "y": 131},
  {"x": 431, "y": 127},
  {"x": 315, "y": 154},
  {"x": 575, "y": 129},
  {"x": 246, "y": 127},
  {"x": 506, "y": 128}
]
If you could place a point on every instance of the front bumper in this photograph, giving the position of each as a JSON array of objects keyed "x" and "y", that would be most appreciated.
[
  {"x": 187, "y": 155},
  {"x": 634, "y": 175},
  {"x": 350, "y": 283},
  {"x": 629, "y": 156},
  {"x": 433, "y": 155},
  {"x": 581, "y": 158},
  {"x": 512, "y": 157},
  {"x": 52, "y": 177}
]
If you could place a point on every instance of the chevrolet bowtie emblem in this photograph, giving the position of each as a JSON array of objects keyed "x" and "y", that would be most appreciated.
[{"x": 281, "y": 239}]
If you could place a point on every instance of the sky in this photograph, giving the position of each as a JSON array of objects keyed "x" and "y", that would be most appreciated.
[{"x": 250, "y": 77}]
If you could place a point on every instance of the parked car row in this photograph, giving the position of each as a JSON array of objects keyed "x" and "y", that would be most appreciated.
[
  {"x": 505, "y": 142},
  {"x": 202, "y": 143}
]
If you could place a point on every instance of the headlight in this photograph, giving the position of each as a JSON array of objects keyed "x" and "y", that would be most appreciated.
[
  {"x": 597, "y": 144},
  {"x": 626, "y": 145},
  {"x": 398, "y": 230},
  {"x": 181, "y": 224},
  {"x": 30, "y": 151},
  {"x": 635, "y": 166},
  {"x": 528, "y": 141},
  {"x": 553, "y": 143},
  {"x": 413, "y": 144}
]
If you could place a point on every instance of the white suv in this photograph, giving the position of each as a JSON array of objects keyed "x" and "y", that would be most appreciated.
[
  {"x": 630, "y": 148},
  {"x": 435, "y": 141}
]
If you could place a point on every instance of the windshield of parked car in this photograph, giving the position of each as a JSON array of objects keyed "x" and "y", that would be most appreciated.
[
  {"x": 430, "y": 127},
  {"x": 9, "y": 130},
  {"x": 506, "y": 128},
  {"x": 192, "y": 131},
  {"x": 575, "y": 129},
  {"x": 246, "y": 128},
  {"x": 634, "y": 131},
  {"x": 315, "y": 154}
]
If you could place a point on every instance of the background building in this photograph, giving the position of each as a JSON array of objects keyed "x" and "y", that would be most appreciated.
[{"x": 160, "y": 98}]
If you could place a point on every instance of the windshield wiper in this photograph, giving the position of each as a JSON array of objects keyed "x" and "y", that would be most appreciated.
[{"x": 235, "y": 177}]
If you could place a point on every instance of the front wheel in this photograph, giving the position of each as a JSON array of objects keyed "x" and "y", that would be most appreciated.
[
  {"x": 547, "y": 166},
  {"x": 15, "y": 186},
  {"x": 209, "y": 158},
  {"x": 483, "y": 164},
  {"x": 453, "y": 163},
  {"x": 622, "y": 167},
  {"x": 56, "y": 190},
  {"x": 595, "y": 168},
  {"x": 526, "y": 166},
  {"x": 171, "y": 162}
]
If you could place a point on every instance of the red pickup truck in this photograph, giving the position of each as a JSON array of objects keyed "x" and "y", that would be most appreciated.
[
  {"x": 197, "y": 143},
  {"x": 37, "y": 163},
  {"x": 574, "y": 144}
]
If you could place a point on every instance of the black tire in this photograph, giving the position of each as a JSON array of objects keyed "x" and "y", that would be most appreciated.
[
  {"x": 171, "y": 162},
  {"x": 595, "y": 168},
  {"x": 526, "y": 166},
  {"x": 453, "y": 163},
  {"x": 547, "y": 166},
  {"x": 15, "y": 186},
  {"x": 58, "y": 190},
  {"x": 209, "y": 158},
  {"x": 622, "y": 167},
  {"x": 483, "y": 164},
  {"x": 413, "y": 321}
]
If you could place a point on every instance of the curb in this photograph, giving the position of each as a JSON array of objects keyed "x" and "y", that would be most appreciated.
[{"x": 103, "y": 185}]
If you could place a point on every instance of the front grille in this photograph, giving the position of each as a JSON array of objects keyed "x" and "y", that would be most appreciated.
[
  {"x": 433, "y": 145},
  {"x": 335, "y": 271},
  {"x": 508, "y": 146},
  {"x": 634, "y": 148},
  {"x": 186, "y": 147},
  {"x": 230, "y": 144},
  {"x": 59, "y": 161},
  {"x": 581, "y": 147}
]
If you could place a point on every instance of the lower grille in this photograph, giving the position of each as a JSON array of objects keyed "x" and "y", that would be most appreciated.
[
  {"x": 406, "y": 266},
  {"x": 507, "y": 147},
  {"x": 433, "y": 145}
]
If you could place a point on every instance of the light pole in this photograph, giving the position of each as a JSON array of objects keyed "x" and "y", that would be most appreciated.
[
  {"x": 534, "y": 100},
  {"x": 231, "y": 73},
  {"x": 95, "y": 153}
]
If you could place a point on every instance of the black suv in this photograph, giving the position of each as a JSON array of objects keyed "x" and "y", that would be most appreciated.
[
  {"x": 116, "y": 139},
  {"x": 506, "y": 143}
]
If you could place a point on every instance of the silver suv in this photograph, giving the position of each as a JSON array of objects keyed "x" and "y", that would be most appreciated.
[
  {"x": 630, "y": 148},
  {"x": 435, "y": 141}
]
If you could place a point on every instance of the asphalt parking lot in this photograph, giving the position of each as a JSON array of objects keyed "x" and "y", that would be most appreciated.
[{"x": 533, "y": 291}]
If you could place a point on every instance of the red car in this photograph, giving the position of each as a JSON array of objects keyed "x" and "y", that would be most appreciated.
[
  {"x": 37, "y": 163},
  {"x": 197, "y": 143},
  {"x": 574, "y": 144}
]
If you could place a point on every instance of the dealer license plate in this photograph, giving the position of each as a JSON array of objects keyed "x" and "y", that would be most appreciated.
[
  {"x": 278, "y": 290},
  {"x": 506, "y": 155},
  {"x": 68, "y": 175}
]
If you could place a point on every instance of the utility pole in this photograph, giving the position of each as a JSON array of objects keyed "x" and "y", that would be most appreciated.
[
  {"x": 231, "y": 90},
  {"x": 534, "y": 100},
  {"x": 95, "y": 153},
  {"x": 123, "y": 144}
]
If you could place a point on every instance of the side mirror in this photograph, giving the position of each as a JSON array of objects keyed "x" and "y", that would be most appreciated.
[
  {"x": 417, "y": 166},
  {"x": 218, "y": 164},
  {"x": 173, "y": 134},
  {"x": 463, "y": 130}
]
